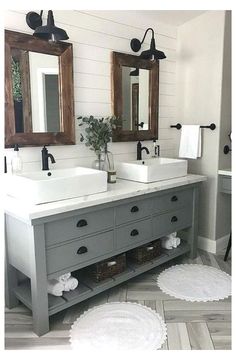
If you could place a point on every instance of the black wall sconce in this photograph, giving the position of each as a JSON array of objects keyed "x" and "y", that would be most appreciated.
[
  {"x": 47, "y": 32},
  {"x": 134, "y": 72},
  {"x": 227, "y": 149},
  {"x": 152, "y": 53}
]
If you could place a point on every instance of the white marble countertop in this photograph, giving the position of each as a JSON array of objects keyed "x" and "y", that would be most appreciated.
[
  {"x": 122, "y": 189},
  {"x": 227, "y": 172}
]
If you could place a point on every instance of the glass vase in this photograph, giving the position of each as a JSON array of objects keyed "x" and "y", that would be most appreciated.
[{"x": 98, "y": 163}]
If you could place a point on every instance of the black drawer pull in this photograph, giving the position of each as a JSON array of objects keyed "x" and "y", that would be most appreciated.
[
  {"x": 134, "y": 209},
  {"x": 174, "y": 198},
  {"x": 134, "y": 232},
  {"x": 82, "y": 250},
  {"x": 82, "y": 223},
  {"x": 174, "y": 219}
]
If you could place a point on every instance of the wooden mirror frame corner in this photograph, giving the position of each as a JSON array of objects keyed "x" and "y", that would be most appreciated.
[
  {"x": 118, "y": 60},
  {"x": 66, "y": 92}
]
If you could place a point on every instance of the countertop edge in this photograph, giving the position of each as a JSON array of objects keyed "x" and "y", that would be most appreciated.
[
  {"x": 225, "y": 172},
  {"x": 123, "y": 189}
]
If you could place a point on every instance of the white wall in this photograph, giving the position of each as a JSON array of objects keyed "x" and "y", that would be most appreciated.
[
  {"x": 199, "y": 101},
  {"x": 94, "y": 38}
]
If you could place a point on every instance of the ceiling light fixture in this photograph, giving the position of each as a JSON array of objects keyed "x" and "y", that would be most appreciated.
[
  {"x": 47, "y": 32},
  {"x": 150, "y": 54}
]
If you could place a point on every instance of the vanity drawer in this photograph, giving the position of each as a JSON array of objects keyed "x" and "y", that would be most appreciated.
[
  {"x": 175, "y": 220},
  {"x": 133, "y": 234},
  {"x": 225, "y": 184},
  {"x": 133, "y": 211},
  {"x": 78, "y": 252},
  {"x": 173, "y": 200},
  {"x": 76, "y": 226}
]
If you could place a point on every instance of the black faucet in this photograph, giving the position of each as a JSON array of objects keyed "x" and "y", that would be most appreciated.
[
  {"x": 45, "y": 156},
  {"x": 157, "y": 150},
  {"x": 139, "y": 150}
]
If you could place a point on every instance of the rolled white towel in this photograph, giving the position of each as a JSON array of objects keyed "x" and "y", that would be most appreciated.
[
  {"x": 170, "y": 242},
  {"x": 178, "y": 241},
  {"x": 174, "y": 242},
  {"x": 167, "y": 243},
  {"x": 70, "y": 284},
  {"x": 54, "y": 287},
  {"x": 64, "y": 277}
]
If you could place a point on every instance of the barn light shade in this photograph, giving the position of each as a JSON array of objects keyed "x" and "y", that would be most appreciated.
[
  {"x": 152, "y": 53},
  {"x": 48, "y": 32}
]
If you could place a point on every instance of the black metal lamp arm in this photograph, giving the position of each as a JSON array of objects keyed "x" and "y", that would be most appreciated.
[
  {"x": 135, "y": 44},
  {"x": 146, "y": 34}
]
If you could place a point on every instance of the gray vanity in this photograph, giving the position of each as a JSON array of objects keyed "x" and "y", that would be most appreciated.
[{"x": 48, "y": 240}]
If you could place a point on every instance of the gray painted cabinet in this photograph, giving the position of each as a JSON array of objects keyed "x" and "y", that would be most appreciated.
[
  {"x": 48, "y": 247},
  {"x": 225, "y": 184}
]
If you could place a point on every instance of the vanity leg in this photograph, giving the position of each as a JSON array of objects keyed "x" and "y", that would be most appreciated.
[
  {"x": 10, "y": 283},
  {"x": 193, "y": 231},
  {"x": 11, "y": 280},
  {"x": 39, "y": 281}
]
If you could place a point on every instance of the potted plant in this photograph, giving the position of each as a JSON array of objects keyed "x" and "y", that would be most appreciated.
[{"x": 98, "y": 133}]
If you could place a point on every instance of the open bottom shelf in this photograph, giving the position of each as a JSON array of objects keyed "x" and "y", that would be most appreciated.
[{"x": 88, "y": 288}]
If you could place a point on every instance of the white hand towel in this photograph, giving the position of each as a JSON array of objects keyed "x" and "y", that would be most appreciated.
[
  {"x": 190, "y": 142},
  {"x": 54, "y": 287},
  {"x": 63, "y": 277},
  {"x": 70, "y": 284}
]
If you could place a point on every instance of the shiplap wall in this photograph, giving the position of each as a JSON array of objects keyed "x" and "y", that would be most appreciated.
[{"x": 94, "y": 37}]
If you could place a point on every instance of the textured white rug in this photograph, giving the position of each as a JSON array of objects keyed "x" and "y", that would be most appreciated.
[
  {"x": 118, "y": 326},
  {"x": 195, "y": 282}
]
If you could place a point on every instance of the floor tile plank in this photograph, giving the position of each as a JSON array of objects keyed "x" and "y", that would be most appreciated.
[
  {"x": 178, "y": 338},
  {"x": 199, "y": 336}
]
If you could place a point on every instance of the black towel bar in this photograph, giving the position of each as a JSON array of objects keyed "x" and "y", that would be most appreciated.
[{"x": 179, "y": 126}]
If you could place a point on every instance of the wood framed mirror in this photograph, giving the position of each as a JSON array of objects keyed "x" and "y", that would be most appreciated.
[
  {"x": 135, "y": 97},
  {"x": 39, "y": 95}
]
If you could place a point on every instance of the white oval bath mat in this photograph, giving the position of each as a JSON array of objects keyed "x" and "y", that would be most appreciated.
[
  {"x": 195, "y": 282},
  {"x": 118, "y": 326}
]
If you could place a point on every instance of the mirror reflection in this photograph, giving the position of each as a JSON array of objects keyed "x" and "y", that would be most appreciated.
[
  {"x": 35, "y": 89},
  {"x": 135, "y": 98}
]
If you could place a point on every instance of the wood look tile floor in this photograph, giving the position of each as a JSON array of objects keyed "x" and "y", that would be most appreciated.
[{"x": 190, "y": 326}]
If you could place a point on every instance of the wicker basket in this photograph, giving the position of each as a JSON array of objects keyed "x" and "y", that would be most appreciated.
[
  {"x": 146, "y": 252},
  {"x": 107, "y": 268}
]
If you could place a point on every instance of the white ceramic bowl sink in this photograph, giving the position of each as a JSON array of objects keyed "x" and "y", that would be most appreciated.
[
  {"x": 151, "y": 170},
  {"x": 40, "y": 187}
]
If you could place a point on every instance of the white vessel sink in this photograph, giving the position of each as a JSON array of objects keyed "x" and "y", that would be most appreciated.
[
  {"x": 40, "y": 187},
  {"x": 150, "y": 170}
]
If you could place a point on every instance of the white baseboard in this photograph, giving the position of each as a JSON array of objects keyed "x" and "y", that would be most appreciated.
[{"x": 213, "y": 246}]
